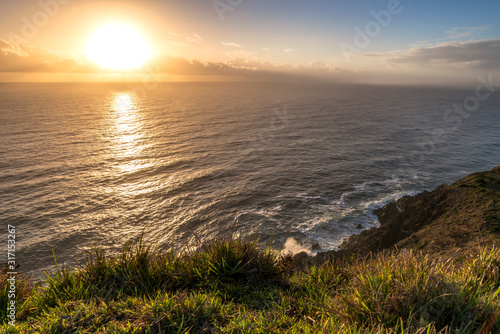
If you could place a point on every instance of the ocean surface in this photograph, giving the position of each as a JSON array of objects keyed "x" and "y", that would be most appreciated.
[{"x": 85, "y": 165}]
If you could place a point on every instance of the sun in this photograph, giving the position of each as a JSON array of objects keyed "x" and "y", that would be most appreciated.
[{"x": 118, "y": 46}]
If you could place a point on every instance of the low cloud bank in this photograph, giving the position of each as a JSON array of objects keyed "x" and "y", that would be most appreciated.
[
  {"x": 17, "y": 58},
  {"x": 480, "y": 55},
  {"x": 444, "y": 64}
]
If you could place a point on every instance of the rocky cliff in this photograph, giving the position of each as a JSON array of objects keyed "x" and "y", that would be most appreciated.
[{"x": 449, "y": 221}]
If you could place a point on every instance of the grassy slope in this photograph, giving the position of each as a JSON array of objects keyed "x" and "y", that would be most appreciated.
[
  {"x": 471, "y": 218},
  {"x": 232, "y": 286}
]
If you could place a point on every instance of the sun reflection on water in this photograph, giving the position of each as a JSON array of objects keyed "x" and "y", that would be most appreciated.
[{"x": 128, "y": 132}]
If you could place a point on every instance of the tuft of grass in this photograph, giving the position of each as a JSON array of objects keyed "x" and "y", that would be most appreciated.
[
  {"x": 140, "y": 270},
  {"x": 231, "y": 260},
  {"x": 237, "y": 286},
  {"x": 24, "y": 287},
  {"x": 411, "y": 291}
]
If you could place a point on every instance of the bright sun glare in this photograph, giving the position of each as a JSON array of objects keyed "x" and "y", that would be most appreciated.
[{"x": 118, "y": 47}]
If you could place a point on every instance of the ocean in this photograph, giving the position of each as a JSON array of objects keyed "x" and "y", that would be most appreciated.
[{"x": 84, "y": 165}]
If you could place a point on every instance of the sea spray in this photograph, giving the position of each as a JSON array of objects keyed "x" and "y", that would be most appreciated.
[{"x": 293, "y": 247}]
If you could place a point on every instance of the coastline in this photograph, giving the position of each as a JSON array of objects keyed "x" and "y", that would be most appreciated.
[{"x": 451, "y": 221}]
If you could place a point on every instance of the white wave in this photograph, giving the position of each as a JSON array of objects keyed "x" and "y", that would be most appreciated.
[
  {"x": 333, "y": 220},
  {"x": 293, "y": 247}
]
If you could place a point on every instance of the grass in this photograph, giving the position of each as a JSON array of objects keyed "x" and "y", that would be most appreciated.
[{"x": 235, "y": 286}]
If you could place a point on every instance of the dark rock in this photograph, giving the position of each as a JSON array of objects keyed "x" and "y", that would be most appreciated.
[
  {"x": 300, "y": 256},
  {"x": 315, "y": 247},
  {"x": 397, "y": 221},
  {"x": 359, "y": 226},
  {"x": 300, "y": 261}
]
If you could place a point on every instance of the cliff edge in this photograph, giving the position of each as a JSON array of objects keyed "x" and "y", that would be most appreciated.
[{"x": 448, "y": 222}]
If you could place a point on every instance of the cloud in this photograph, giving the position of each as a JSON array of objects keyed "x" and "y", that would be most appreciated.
[
  {"x": 13, "y": 48},
  {"x": 463, "y": 32},
  {"x": 456, "y": 33},
  {"x": 183, "y": 66},
  {"x": 289, "y": 50},
  {"x": 253, "y": 64},
  {"x": 232, "y": 45},
  {"x": 321, "y": 66},
  {"x": 17, "y": 58},
  {"x": 484, "y": 55},
  {"x": 194, "y": 39},
  {"x": 372, "y": 54}
]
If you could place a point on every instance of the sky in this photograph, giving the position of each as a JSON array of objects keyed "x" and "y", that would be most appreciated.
[{"x": 379, "y": 41}]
